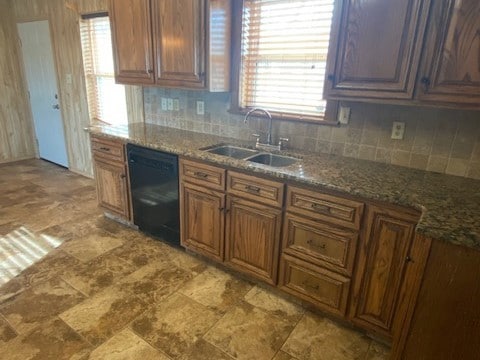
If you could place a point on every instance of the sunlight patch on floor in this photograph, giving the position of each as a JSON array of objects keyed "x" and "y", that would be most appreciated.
[{"x": 22, "y": 248}]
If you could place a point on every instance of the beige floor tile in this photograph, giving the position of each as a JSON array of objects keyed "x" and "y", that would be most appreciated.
[
  {"x": 55, "y": 264},
  {"x": 39, "y": 304},
  {"x": 318, "y": 338},
  {"x": 283, "y": 356},
  {"x": 99, "y": 317},
  {"x": 52, "y": 340},
  {"x": 97, "y": 274},
  {"x": 203, "y": 350},
  {"x": 126, "y": 346},
  {"x": 184, "y": 260},
  {"x": 216, "y": 289},
  {"x": 140, "y": 251},
  {"x": 91, "y": 246},
  {"x": 175, "y": 324},
  {"x": 154, "y": 282},
  {"x": 6, "y": 332},
  {"x": 274, "y": 304},
  {"x": 247, "y": 332},
  {"x": 378, "y": 351}
]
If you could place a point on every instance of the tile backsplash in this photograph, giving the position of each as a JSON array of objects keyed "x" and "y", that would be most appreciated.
[{"x": 440, "y": 140}]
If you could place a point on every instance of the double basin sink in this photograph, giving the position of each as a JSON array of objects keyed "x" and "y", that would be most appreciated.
[{"x": 253, "y": 155}]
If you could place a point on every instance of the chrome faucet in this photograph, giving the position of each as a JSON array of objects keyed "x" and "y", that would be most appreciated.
[
  {"x": 268, "y": 146},
  {"x": 266, "y": 112}
]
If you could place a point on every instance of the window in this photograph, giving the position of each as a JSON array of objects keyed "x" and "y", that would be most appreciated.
[
  {"x": 283, "y": 55},
  {"x": 106, "y": 100}
]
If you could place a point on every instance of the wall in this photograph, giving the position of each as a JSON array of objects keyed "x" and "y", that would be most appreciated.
[
  {"x": 64, "y": 22},
  {"x": 16, "y": 128},
  {"x": 440, "y": 140}
]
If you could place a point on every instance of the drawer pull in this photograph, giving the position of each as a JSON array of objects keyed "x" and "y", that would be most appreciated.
[
  {"x": 307, "y": 285},
  {"x": 105, "y": 148},
  {"x": 200, "y": 174},
  {"x": 252, "y": 188},
  {"x": 321, "y": 208},
  {"x": 315, "y": 245}
]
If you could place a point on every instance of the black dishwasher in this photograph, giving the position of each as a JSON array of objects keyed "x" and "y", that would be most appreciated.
[{"x": 154, "y": 188}]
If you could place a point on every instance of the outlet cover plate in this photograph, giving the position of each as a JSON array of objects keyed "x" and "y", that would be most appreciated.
[
  {"x": 398, "y": 130},
  {"x": 200, "y": 107}
]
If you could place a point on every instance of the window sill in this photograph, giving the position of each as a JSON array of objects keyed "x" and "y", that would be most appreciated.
[{"x": 328, "y": 119}]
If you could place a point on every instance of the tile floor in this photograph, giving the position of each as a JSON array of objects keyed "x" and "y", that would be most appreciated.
[{"x": 75, "y": 285}]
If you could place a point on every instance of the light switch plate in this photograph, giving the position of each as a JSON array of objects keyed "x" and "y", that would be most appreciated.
[
  {"x": 170, "y": 104},
  {"x": 200, "y": 107},
  {"x": 398, "y": 130},
  {"x": 344, "y": 115},
  {"x": 176, "y": 105}
]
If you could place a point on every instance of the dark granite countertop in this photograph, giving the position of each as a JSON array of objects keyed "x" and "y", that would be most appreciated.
[{"x": 450, "y": 205}]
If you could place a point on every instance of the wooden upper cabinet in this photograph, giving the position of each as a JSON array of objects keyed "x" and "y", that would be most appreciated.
[
  {"x": 132, "y": 41},
  {"x": 179, "y": 33},
  {"x": 450, "y": 70},
  {"x": 384, "y": 255},
  {"x": 172, "y": 43},
  {"x": 375, "y": 48}
]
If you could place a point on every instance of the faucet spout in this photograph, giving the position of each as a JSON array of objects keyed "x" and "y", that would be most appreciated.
[{"x": 269, "y": 116}]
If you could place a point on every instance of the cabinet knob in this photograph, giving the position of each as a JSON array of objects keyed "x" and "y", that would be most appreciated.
[
  {"x": 150, "y": 71},
  {"x": 426, "y": 83},
  {"x": 408, "y": 259},
  {"x": 123, "y": 176}
]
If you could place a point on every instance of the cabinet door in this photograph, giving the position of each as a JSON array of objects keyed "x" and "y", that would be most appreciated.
[
  {"x": 132, "y": 41},
  {"x": 374, "y": 48},
  {"x": 450, "y": 69},
  {"x": 202, "y": 220},
  {"x": 179, "y": 33},
  {"x": 382, "y": 261},
  {"x": 252, "y": 238},
  {"x": 112, "y": 190}
]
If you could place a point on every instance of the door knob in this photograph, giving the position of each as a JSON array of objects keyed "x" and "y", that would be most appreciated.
[{"x": 56, "y": 107}]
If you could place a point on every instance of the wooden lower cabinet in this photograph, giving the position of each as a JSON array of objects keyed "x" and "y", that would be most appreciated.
[
  {"x": 202, "y": 220},
  {"x": 384, "y": 255},
  {"x": 324, "y": 288},
  {"x": 366, "y": 269},
  {"x": 112, "y": 189},
  {"x": 252, "y": 238}
]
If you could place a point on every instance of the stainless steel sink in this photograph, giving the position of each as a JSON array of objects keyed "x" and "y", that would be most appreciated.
[
  {"x": 273, "y": 160},
  {"x": 232, "y": 151}
]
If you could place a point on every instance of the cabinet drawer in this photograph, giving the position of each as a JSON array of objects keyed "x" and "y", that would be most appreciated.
[
  {"x": 327, "y": 290},
  {"x": 253, "y": 188},
  {"x": 108, "y": 149},
  {"x": 202, "y": 174},
  {"x": 329, "y": 208},
  {"x": 320, "y": 243}
]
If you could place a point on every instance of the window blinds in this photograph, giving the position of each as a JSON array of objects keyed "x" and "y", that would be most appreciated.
[
  {"x": 106, "y": 100},
  {"x": 283, "y": 55}
]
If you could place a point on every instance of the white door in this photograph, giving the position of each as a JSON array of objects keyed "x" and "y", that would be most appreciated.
[{"x": 42, "y": 85}]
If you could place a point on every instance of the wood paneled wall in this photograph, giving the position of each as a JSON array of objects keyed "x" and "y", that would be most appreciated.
[
  {"x": 16, "y": 127},
  {"x": 64, "y": 18}
]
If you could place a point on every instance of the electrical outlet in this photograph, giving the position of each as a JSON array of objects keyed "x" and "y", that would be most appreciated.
[
  {"x": 176, "y": 105},
  {"x": 164, "y": 104},
  {"x": 398, "y": 130},
  {"x": 170, "y": 104},
  {"x": 200, "y": 107},
  {"x": 344, "y": 115}
]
